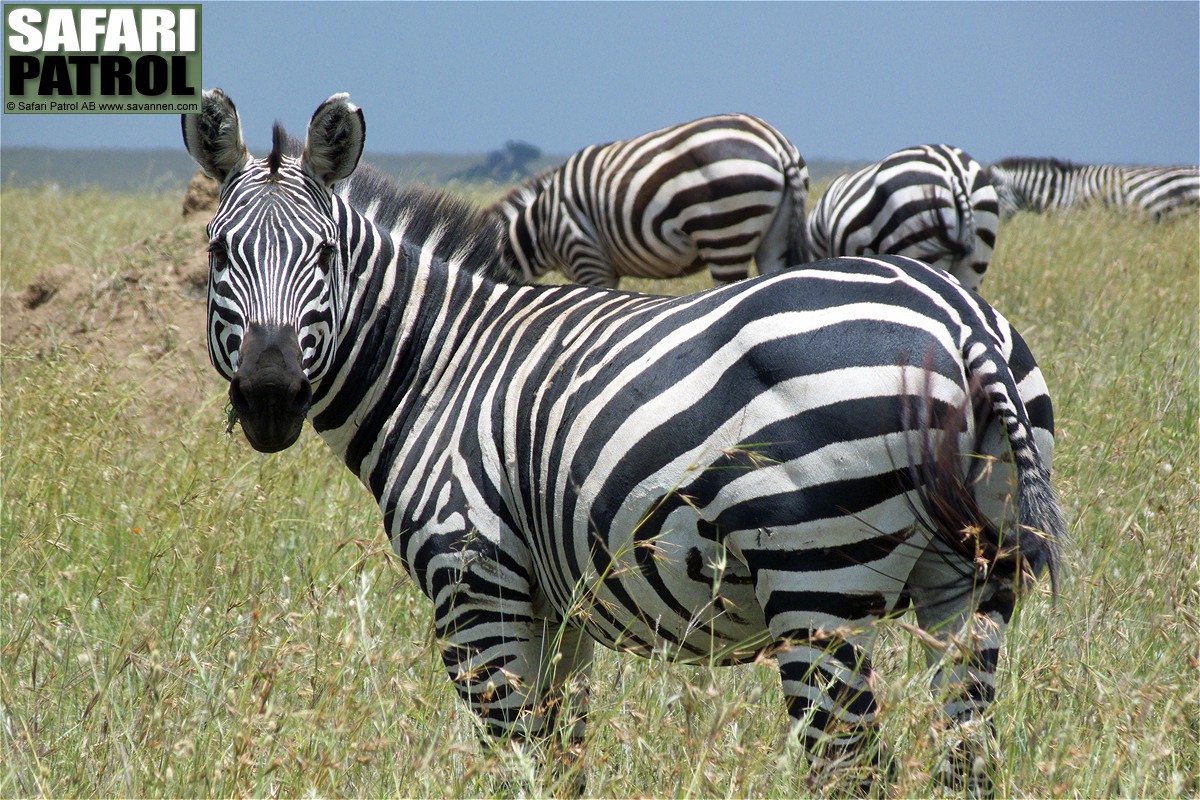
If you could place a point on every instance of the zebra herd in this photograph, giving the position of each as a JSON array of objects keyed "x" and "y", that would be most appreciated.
[
  {"x": 720, "y": 191},
  {"x": 771, "y": 467}
]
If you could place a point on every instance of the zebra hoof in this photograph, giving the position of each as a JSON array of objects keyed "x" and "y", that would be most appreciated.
[
  {"x": 864, "y": 775},
  {"x": 969, "y": 766},
  {"x": 568, "y": 774}
]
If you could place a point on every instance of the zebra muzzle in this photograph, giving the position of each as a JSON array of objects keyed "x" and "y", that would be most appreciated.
[{"x": 270, "y": 392}]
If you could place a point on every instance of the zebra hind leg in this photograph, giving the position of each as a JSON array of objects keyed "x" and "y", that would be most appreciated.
[
  {"x": 826, "y": 683},
  {"x": 774, "y": 252},
  {"x": 963, "y": 587},
  {"x": 966, "y": 617},
  {"x": 823, "y": 613}
]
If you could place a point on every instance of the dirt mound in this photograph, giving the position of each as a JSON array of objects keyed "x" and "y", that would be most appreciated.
[
  {"x": 140, "y": 317},
  {"x": 201, "y": 196}
]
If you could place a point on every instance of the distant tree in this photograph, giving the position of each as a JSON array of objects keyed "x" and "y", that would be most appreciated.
[
  {"x": 521, "y": 154},
  {"x": 510, "y": 163}
]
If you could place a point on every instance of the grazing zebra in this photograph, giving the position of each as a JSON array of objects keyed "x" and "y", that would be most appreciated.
[
  {"x": 932, "y": 202},
  {"x": 1049, "y": 184},
  {"x": 716, "y": 192},
  {"x": 771, "y": 466}
]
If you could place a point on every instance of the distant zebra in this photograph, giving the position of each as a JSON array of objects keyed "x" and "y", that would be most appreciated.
[
  {"x": 1050, "y": 184},
  {"x": 932, "y": 202},
  {"x": 768, "y": 467},
  {"x": 716, "y": 192}
]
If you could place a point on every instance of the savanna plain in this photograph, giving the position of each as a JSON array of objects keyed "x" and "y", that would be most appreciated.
[{"x": 181, "y": 616}]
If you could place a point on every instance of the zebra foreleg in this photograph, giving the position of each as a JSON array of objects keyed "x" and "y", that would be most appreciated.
[
  {"x": 563, "y": 694},
  {"x": 527, "y": 681}
]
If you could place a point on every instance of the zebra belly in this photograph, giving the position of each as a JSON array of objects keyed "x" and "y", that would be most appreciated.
[
  {"x": 693, "y": 597},
  {"x": 683, "y": 259},
  {"x": 689, "y": 597}
]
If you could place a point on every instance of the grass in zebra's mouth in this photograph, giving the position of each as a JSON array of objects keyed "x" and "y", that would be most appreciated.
[
  {"x": 255, "y": 636},
  {"x": 231, "y": 418}
]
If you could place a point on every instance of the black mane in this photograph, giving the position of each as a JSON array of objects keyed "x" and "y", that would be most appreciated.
[
  {"x": 1017, "y": 162},
  {"x": 282, "y": 145},
  {"x": 523, "y": 193},
  {"x": 467, "y": 231}
]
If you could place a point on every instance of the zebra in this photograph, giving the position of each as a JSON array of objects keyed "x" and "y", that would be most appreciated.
[
  {"x": 765, "y": 468},
  {"x": 1051, "y": 184},
  {"x": 716, "y": 192},
  {"x": 930, "y": 202}
]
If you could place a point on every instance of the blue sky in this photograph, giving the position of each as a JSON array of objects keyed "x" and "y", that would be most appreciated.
[{"x": 1089, "y": 81}]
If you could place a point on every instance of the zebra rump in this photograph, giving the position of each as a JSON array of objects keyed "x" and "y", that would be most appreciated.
[
  {"x": 718, "y": 193},
  {"x": 931, "y": 202}
]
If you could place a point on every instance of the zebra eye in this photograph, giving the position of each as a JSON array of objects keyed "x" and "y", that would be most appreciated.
[
  {"x": 218, "y": 253},
  {"x": 325, "y": 254}
]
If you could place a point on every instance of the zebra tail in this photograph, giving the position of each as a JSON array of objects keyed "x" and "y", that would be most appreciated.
[
  {"x": 1041, "y": 529},
  {"x": 966, "y": 213},
  {"x": 946, "y": 499},
  {"x": 961, "y": 243},
  {"x": 799, "y": 249}
]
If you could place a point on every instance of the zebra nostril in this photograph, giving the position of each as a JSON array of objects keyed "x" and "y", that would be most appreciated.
[
  {"x": 237, "y": 397},
  {"x": 302, "y": 397}
]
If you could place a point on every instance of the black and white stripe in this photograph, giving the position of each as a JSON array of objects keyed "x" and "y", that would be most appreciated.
[
  {"x": 718, "y": 192},
  {"x": 932, "y": 202},
  {"x": 771, "y": 465},
  {"x": 1051, "y": 184}
]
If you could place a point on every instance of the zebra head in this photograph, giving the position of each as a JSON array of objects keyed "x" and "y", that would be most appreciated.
[{"x": 276, "y": 261}]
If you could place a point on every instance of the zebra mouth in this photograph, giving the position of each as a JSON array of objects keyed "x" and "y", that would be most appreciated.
[
  {"x": 270, "y": 393},
  {"x": 272, "y": 432}
]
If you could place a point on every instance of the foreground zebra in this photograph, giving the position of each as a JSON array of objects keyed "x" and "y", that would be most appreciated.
[
  {"x": 1050, "y": 184},
  {"x": 716, "y": 193},
  {"x": 772, "y": 466},
  {"x": 932, "y": 202}
]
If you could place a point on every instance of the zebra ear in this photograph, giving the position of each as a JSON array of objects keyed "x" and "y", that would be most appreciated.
[
  {"x": 214, "y": 136},
  {"x": 336, "y": 134}
]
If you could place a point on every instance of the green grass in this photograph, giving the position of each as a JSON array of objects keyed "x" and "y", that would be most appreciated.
[
  {"x": 45, "y": 226},
  {"x": 180, "y": 616}
]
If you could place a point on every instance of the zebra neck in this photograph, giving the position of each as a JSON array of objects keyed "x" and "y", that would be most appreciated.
[{"x": 408, "y": 318}]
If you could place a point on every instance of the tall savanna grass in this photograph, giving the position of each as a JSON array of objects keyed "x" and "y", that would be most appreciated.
[{"x": 184, "y": 617}]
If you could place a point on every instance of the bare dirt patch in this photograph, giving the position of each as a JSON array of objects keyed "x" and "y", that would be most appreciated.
[{"x": 140, "y": 317}]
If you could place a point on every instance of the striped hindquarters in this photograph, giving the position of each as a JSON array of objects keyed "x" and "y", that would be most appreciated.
[
  {"x": 932, "y": 202},
  {"x": 716, "y": 192}
]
